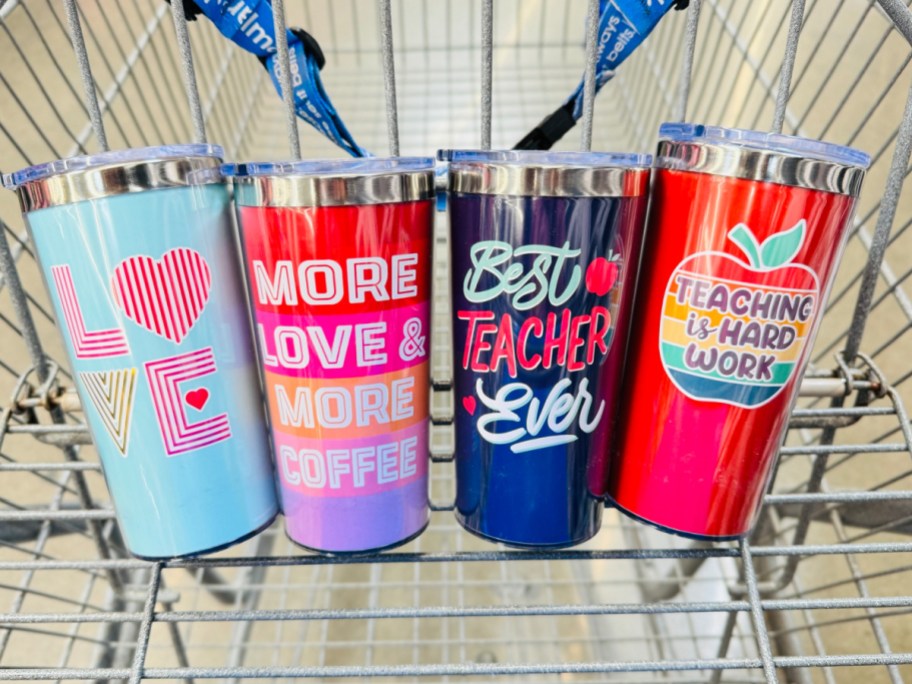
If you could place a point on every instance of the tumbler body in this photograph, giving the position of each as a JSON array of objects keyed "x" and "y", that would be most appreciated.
[
  {"x": 138, "y": 252},
  {"x": 733, "y": 284},
  {"x": 543, "y": 274},
  {"x": 340, "y": 285}
]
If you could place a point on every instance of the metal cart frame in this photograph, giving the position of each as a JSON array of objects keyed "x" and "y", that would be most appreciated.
[{"x": 110, "y": 617}]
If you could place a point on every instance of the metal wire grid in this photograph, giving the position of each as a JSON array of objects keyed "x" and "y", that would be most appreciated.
[{"x": 810, "y": 597}]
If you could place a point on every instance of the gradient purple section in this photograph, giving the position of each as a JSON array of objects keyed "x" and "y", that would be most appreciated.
[{"x": 357, "y": 523}]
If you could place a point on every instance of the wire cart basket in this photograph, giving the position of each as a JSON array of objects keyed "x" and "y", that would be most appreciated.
[{"x": 822, "y": 592}]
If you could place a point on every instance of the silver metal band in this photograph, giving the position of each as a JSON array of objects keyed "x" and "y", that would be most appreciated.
[
  {"x": 760, "y": 165},
  {"x": 331, "y": 191},
  {"x": 527, "y": 180},
  {"x": 117, "y": 179}
]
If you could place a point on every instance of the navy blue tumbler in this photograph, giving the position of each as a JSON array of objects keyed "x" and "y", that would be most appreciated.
[{"x": 545, "y": 249}]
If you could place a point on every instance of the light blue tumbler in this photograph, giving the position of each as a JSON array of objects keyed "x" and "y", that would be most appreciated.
[{"x": 138, "y": 254}]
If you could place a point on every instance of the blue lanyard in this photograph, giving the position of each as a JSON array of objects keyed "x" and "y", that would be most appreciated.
[
  {"x": 249, "y": 24},
  {"x": 623, "y": 25}
]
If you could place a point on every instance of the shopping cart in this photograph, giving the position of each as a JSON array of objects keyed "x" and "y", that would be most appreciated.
[{"x": 821, "y": 592}]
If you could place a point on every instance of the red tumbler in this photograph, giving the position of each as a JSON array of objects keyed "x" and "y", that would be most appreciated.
[
  {"x": 745, "y": 233},
  {"x": 338, "y": 259}
]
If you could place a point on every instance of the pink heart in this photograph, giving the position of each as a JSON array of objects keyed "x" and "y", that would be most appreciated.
[
  {"x": 197, "y": 398},
  {"x": 469, "y": 404},
  {"x": 164, "y": 296}
]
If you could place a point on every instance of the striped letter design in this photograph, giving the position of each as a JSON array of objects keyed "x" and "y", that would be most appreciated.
[
  {"x": 166, "y": 296},
  {"x": 112, "y": 393},
  {"x": 165, "y": 377},
  {"x": 87, "y": 344}
]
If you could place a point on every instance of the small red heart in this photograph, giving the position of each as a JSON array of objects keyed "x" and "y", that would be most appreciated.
[
  {"x": 197, "y": 398},
  {"x": 469, "y": 404}
]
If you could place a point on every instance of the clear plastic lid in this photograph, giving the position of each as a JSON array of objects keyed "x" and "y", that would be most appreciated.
[
  {"x": 548, "y": 158},
  {"x": 769, "y": 142},
  {"x": 534, "y": 173},
  {"x": 113, "y": 157},
  {"x": 329, "y": 167},
  {"x": 332, "y": 182}
]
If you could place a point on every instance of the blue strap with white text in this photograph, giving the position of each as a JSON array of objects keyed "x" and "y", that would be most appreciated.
[
  {"x": 623, "y": 25},
  {"x": 249, "y": 24}
]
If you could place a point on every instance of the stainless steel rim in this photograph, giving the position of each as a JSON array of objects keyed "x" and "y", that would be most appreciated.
[
  {"x": 117, "y": 179},
  {"x": 331, "y": 191},
  {"x": 760, "y": 165},
  {"x": 486, "y": 178}
]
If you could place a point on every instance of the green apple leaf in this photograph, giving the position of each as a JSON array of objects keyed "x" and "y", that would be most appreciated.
[
  {"x": 742, "y": 236},
  {"x": 780, "y": 248}
]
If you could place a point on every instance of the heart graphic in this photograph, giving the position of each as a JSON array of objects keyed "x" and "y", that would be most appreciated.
[
  {"x": 469, "y": 404},
  {"x": 197, "y": 398},
  {"x": 164, "y": 296}
]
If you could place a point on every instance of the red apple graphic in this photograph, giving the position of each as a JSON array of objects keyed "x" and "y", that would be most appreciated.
[
  {"x": 735, "y": 331},
  {"x": 601, "y": 275}
]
